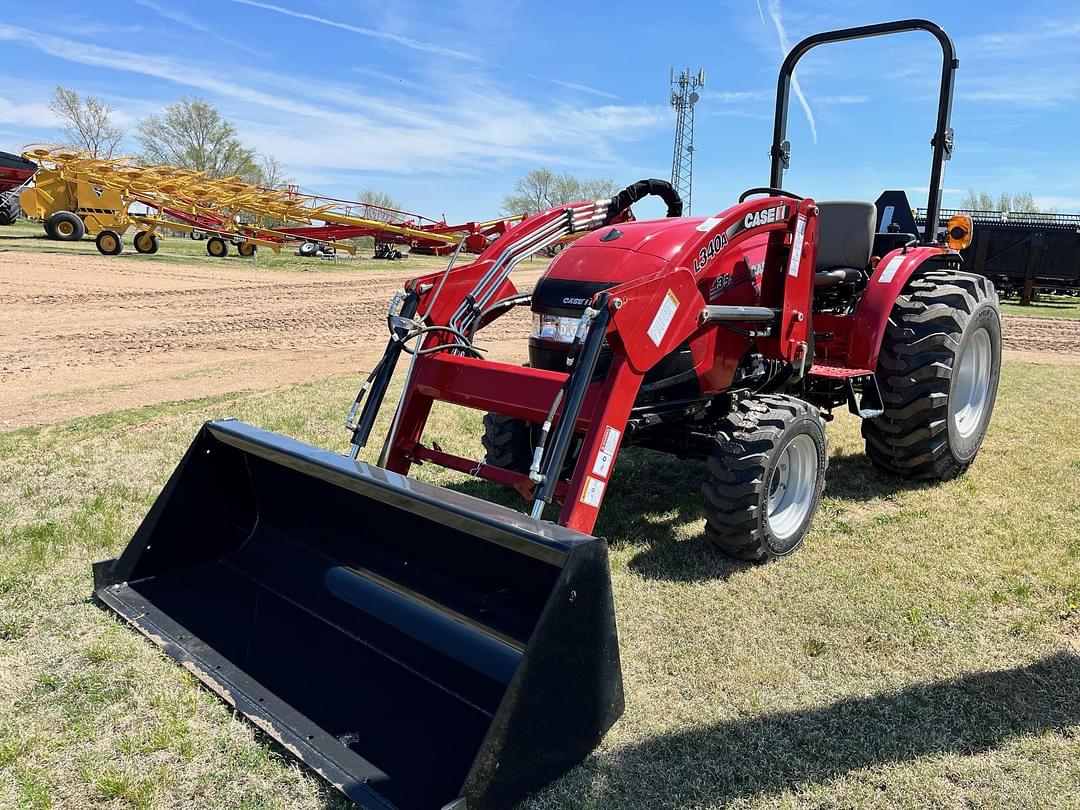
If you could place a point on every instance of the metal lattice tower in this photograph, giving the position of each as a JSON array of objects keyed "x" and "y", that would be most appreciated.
[{"x": 683, "y": 98}]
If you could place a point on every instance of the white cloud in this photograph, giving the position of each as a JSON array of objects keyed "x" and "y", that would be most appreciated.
[
  {"x": 1061, "y": 203},
  {"x": 407, "y": 42},
  {"x": 177, "y": 16},
  {"x": 583, "y": 88},
  {"x": 316, "y": 124},
  {"x": 841, "y": 99},
  {"x": 785, "y": 46},
  {"x": 33, "y": 115}
]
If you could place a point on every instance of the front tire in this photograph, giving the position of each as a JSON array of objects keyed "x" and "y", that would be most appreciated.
[
  {"x": 146, "y": 242},
  {"x": 109, "y": 243},
  {"x": 507, "y": 442},
  {"x": 217, "y": 247},
  {"x": 65, "y": 226},
  {"x": 938, "y": 372},
  {"x": 766, "y": 477}
]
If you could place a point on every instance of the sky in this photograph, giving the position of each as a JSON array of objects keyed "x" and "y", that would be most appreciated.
[{"x": 444, "y": 105}]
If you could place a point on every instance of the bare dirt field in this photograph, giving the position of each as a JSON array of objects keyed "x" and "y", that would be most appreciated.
[{"x": 82, "y": 334}]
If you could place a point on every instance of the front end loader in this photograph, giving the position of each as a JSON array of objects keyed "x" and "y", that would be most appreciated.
[{"x": 422, "y": 648}]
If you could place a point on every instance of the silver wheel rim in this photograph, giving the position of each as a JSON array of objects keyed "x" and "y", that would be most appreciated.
[
  {"x": 971, "y": 383},
  {"x": 792, "y": 487}
]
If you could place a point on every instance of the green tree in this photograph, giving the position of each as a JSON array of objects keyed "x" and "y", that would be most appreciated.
[
  {"x": 192, "y": 134},
  {"x": 86, "y": 123},
  {"x": 542, "y": 188},
  {"x": 1022, "y": 203}
]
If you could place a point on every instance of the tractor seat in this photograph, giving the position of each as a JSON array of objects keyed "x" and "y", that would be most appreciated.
[{"x": 845, "y": 239}]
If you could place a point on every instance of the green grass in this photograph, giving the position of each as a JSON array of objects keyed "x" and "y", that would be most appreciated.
[
  {"x": 1045, "y": 306},
  {"x": 27, "y": 235},
  {"x": 922, "y": 649}
]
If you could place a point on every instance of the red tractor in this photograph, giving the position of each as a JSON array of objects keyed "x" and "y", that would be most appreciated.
[
  {"x": 729, "y": 338},
  {"x": 421, "y": 647}
]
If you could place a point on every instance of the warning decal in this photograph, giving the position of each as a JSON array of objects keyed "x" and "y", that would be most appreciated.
[
  {"x": 593, "y": 492},
  {"x": 665, "y": 313},
  {"x": 606, "y": 453}
]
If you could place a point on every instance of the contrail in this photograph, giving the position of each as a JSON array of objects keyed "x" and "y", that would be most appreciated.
[
  {"x": 760, "y": 13},
  {"x": 785, "y": 46}
]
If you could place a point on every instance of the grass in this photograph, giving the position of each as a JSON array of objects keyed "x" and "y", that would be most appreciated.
[
  {"x": 1046, "y": 306},
  {"x": 922, "y": 648},
  {"x": 27, "y": 235}
]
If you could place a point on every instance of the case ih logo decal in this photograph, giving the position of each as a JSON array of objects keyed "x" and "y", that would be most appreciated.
[{"x": 764, "y": 217}]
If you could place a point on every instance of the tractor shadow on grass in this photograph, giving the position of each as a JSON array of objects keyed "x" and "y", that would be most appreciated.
[
  {"x": 767, "y": 755},
  {"x": 654, "y": 500}
]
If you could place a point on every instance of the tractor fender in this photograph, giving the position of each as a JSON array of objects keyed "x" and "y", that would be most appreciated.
[{"x": 887, "y": 281}]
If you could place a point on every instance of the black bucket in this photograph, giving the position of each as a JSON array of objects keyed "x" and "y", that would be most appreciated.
[{"x": 418, "y": 647}]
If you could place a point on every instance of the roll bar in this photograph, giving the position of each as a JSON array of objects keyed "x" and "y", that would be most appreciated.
[{"x": 942, "y": 141}]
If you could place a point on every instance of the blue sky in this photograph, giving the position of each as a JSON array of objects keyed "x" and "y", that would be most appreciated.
[{"x": 444, "y": 104}]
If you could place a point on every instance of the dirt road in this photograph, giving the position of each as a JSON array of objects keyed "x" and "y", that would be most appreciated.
[{"x": 81, "y": 335}]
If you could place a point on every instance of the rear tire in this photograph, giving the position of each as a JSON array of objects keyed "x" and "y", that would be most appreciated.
[
  {"x": 766, "y": 477},
  {"x": 938, "y": 372},
  {"x": 65, "y": 226},
  {"x": 507, "y": 442},
  {"x": 307, "y": 249},
  {"x": 246, "y": 249},
  {"x": 146, "y": 242},
  {"x": 217, "y": 247},
  {"x": 109, "y": 243},
  {"x": 9, "y": 208}
]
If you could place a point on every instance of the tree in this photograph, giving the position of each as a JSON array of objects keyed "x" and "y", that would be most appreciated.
[
  {"x": 272, "y": 173},
  {"x": 379, "y": 198},
  {"x": 542, "y": 188},
  {"x": 192, "y": 134},
  {"x": 86, "y": 122},
  {"x": 1022, "y": 203}
]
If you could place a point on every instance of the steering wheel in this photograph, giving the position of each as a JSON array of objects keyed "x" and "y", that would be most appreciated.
[{"x": 772, "y": 192}]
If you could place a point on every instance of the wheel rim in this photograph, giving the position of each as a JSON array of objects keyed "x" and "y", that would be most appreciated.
[
  {"x": 108, "y": 243},
  {"x": 971, "y": 383},
  {"x": 792, "y": 487},
  {"x": 65, "y": 228}
]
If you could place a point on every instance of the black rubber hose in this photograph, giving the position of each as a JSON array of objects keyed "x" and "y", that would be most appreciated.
[{"x": 642, "y": 189}]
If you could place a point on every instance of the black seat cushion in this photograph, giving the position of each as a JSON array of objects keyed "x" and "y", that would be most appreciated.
[{"x": 845, "y": 234}]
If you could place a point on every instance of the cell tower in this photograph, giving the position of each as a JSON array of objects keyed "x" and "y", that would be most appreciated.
[{"x": 683, "y": 98}]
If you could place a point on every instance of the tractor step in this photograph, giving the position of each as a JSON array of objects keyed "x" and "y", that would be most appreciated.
[
  {"x": 837, "y": 371},
  {"x": 860, "y": 385}
]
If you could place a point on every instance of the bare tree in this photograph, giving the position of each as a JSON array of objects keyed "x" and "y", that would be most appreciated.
[
  {"x": 86, "y": 122},
  {"x": 542, "y": 188},
  {"x": 273, "y": 173},
  {"x": 192, "y": 133}
]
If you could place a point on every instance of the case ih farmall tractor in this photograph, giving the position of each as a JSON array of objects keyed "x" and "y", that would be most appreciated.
[{"x": 423, "y": 648}]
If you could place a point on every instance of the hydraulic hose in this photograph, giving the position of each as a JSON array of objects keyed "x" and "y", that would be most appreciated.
[{"x": 642, "y": 189}]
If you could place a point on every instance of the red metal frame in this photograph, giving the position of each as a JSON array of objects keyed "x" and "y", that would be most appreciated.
[{"x": 759, "y": 253}]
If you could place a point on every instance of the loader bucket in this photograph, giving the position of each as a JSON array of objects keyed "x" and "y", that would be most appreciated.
[{"x": 418, "y": 647}]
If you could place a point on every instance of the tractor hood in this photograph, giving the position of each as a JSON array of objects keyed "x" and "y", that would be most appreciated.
[{"x": 609, "y": 256}]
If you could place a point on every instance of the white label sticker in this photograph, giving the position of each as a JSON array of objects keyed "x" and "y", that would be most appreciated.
[
  {"x": 606, "y": 454},
  {"x": 891, "y": 268},
  {"x": 611, "y": 440},
  {"x": 796, "y": 247},
  {"x": 662, "y": 320},
  {"x": 593, "y": 492},
  {"x": 602, "y": 464},
  {"x": 708, "y": 224}
]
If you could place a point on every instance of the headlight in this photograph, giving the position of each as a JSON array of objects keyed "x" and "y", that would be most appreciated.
[{"x": 554, "y": 327}]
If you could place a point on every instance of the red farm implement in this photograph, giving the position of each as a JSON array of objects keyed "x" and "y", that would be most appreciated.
[{"x": 422, "y": 648}]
